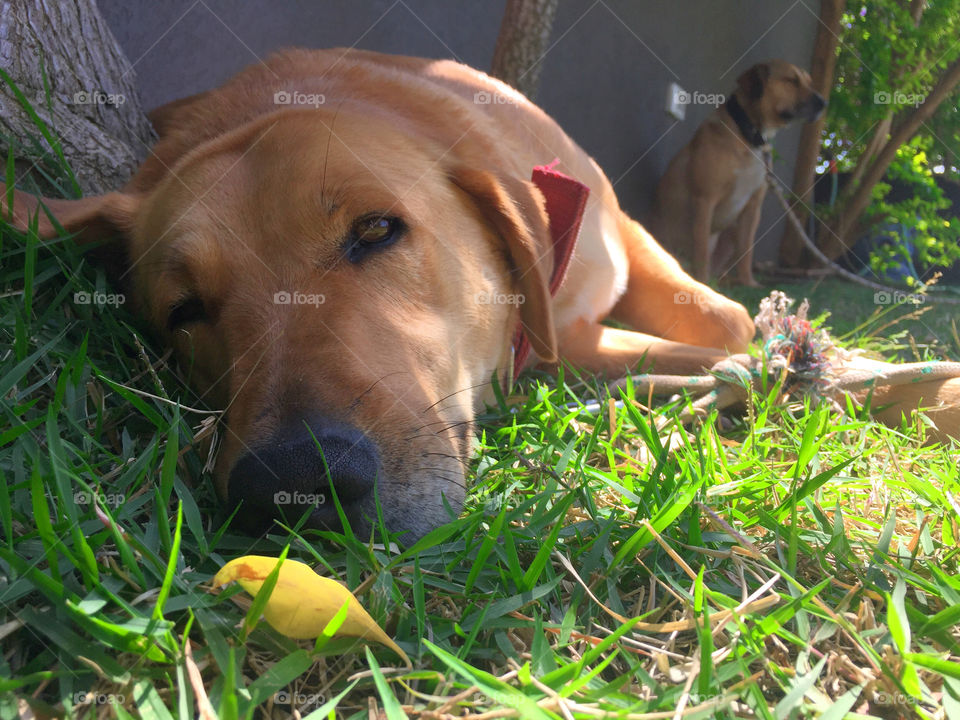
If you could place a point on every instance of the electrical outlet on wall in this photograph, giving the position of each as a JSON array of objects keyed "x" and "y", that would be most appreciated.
[{"x": 677, "y": 99}]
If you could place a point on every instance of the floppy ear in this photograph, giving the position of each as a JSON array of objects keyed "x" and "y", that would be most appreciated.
[
  {"x": 752, "y": 81},
  {"x": 91, "y": 218},
  {"x": 515, "y": 209}
]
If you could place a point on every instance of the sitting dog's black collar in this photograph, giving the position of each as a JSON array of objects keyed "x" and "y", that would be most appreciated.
[{"x": 749, "y": 131}]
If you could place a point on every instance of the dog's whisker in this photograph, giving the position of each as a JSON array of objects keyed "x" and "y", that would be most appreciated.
[
  {"x": 233, "y": 365},
  {"x": 452, "y": 424},
  {"x": 439, "y": 473},
  {"x": 456, "y": 392},
  {"x": 456, "y": 424},
  {"x": 326, "y": 154},
  {"x": 359, "y": 398},
  {"x": 461, "y": 461},
  {"x": 433, "y": 434}
]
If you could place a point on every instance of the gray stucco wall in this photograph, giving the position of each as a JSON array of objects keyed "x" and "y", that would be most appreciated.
[{"x": 604, "y": 79}]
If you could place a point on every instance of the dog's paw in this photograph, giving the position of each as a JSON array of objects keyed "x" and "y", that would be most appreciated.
[{"x": 728, "y": 325}]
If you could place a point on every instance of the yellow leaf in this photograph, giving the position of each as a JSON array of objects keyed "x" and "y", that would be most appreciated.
[{"x": 302, "y": 603}]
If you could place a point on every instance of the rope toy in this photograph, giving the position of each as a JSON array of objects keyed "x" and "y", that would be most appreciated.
[{"x": 793, "y": 348}]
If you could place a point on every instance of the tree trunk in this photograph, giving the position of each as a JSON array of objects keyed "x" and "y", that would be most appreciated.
[
  {"x": 873, "y": 147},
  {"x": 93, "y": 106},
  {"x": 905, "y": 129},
  {"x": 522, "y": 43},
  {"x": 804, "y": 170},
  {"x": 916, "y": 10}
]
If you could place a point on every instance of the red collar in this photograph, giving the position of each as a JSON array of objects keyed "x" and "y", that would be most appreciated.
[{"x": 566, "y": 200}]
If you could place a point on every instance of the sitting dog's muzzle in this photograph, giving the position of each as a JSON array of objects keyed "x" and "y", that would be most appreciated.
[
  {"x": 297, "y": 471},
  {"x": 812, "y": 107}
]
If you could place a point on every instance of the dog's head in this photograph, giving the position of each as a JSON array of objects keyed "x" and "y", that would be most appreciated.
[
  {"x": 776, "y": 92},
  {"x": 341, "y": 287}
]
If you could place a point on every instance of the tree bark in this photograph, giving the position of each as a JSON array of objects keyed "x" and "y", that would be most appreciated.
[
  {"x": 905, "y": 129},
  {"x": 804, "y": 169},
  {"x": 523, "y": 41},
  {"x": 93, "y": 106},
  {"x": 873, "y": 147},
  {"x": 916, "y": 10}
]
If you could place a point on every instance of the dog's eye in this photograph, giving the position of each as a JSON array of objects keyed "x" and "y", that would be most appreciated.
[
  {"x": 188, "y": 310},
  {"x": 373, "y": 232}
]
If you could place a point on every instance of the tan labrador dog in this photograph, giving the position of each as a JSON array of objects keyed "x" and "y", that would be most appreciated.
[
  {"x": 339, "y": 246},
  {"x": 709, "y": 200}
]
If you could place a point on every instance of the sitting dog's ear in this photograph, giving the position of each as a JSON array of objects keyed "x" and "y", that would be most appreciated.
[
  {"x": 91, "y": 218},
  {"x": 515, "y": 209},
  {"x": 753, "y": 80}
]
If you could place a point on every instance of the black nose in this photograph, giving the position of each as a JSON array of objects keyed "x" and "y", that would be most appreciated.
[
  {"x": 295, "y": 471},
  {"x": 812, "y": 107}
]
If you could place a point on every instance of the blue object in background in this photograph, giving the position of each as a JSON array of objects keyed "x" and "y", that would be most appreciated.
[{"x": 895, "y": 235}]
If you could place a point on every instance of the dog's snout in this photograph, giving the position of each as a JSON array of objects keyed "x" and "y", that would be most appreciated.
[
  {"x": 814, "y": 106},
  {"x": 297, "y": 470}
]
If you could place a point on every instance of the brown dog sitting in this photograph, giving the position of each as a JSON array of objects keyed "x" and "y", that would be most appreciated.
[{"x": 709, "y": 200}]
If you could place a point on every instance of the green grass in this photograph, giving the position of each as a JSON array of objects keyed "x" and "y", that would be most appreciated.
[{"x": 592, "y": 570}]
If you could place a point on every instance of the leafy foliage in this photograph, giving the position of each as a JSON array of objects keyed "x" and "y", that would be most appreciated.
[{"x": 887, "y": 64}]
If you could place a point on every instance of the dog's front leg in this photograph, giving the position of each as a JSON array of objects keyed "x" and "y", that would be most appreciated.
[
  {"x": 600, "y": 349},
  {"x": 703, "y": 208},
  {"x": 746, "y": 231},
  {"x": 661, "y": 299}
]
